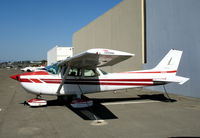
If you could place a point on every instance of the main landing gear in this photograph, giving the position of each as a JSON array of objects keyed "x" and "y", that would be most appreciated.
[
  {"x": 78, "y": 101},
  {"x": 81, "y": 102}
]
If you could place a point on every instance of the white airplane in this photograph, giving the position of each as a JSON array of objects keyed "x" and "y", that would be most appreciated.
[
  {"x": 80, "y": 75},
  {"x": 31, "y": 69}
]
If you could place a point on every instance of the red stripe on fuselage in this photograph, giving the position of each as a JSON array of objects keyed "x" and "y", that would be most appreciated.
[
  {"x": 25, "y": 80},
  {"x": 146, "y": 80},
  {"x": 173, "y": 71},
  {"x": 59, "y": 80},
  {"x": 108, "y": 83},
  {"x": 124, "y": 82},
  {"x": 52, "y": 80},
  {"x": 36, "y": 80},
  {"x": 128, "y": 84}
]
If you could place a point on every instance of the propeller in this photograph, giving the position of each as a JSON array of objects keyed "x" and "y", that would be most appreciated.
[{"x": 25, "y": 103}]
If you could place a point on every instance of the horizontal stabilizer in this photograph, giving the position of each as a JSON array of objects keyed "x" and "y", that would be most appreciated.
[{"x": 179, "y": 79}]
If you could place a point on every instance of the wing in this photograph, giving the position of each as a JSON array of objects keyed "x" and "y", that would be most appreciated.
[
  {"x": 91, "y": 59},
  {"x": 96, "y": 58}
]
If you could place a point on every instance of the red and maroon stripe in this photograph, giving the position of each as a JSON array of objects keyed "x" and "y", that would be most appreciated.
[
  {"x": 59, "y": 80},
  {"x": 36, "y": 80},
  {"x": 108, "y": 83},
  {"x": 173, "y": 71},
  {"x": 25, "y": 80},
  {"x": 52, "y": 80},
  {"x": 96, "y": 81}
]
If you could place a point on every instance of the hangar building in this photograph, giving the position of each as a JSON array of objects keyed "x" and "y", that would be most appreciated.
[
  {"x": 121, "y": 28},
  {"x": 149, "y": 29},
  {"x": 58, "y": 53}
]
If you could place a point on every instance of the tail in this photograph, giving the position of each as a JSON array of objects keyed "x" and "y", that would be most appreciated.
[
  {"x": 170, "y": 62},
  {"x": 169, "y": 65}
]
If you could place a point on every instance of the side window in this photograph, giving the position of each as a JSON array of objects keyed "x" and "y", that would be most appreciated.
[
  {"x": 103, "y": 72},
  {"x": 90, "y": 73},
  {"x": 74, "y": 72}
]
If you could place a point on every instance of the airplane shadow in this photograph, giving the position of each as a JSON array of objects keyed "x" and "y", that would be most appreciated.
[
  {"x": 99, "y": 111},
  {"x": 96, "y": 112},
  {"x": 154, "y": 97}
]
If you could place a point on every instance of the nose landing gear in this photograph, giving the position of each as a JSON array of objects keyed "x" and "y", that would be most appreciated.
[{"x": 36, "y": 102}]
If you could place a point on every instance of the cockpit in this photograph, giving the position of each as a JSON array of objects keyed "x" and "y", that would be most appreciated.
[{"x": 55, "y": 69}]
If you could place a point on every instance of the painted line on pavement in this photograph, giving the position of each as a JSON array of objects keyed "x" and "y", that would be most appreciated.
[{"x": 131, "y": 102}]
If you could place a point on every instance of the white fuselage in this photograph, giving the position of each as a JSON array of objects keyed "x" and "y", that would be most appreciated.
[
  {"x": 43, "y": 82},
  {"x": 80, "y": 75}
]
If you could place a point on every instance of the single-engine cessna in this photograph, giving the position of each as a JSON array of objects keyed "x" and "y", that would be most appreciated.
[{"x": 80, "y": 75}]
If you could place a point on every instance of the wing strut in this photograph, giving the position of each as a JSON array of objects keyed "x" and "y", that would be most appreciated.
[{"x": 63, "y": 79}]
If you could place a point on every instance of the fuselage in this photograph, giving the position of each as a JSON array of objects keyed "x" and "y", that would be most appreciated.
[
  {"x": 80, "y": 75},
  {"x": 45, "y": 83}
]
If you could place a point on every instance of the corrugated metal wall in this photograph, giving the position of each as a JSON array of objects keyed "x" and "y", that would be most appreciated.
[
  {"x": 120, "y": 28},
  {"x": 175, "y": 24}
]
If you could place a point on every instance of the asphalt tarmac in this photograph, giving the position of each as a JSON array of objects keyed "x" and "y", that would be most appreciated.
[{"x": 125, "y": 113}]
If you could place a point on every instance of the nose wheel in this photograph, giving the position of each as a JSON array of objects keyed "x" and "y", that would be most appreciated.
[{"x": 36, "y": 102}]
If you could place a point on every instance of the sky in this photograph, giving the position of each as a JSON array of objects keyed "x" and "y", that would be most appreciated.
[{"x": 29, "y": 28}]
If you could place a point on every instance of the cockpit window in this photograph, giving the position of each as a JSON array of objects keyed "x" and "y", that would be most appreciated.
[
  {"x": 104, "y": 73},
  {"x": 90, "y": 73},
  {"x": 53, "y": 69},
  {"x": 74, "y": 72}
]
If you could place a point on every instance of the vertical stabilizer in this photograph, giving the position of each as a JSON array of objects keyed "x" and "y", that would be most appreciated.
[
  {"x": 169, "y": 65},
  {"x": 170, "y": 62}
]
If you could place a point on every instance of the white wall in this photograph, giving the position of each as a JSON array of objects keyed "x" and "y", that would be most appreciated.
[
  {"x": 58, "y": 53},
  {"x": 52, "y": 56},
  {"x": 64, "y": 52}
]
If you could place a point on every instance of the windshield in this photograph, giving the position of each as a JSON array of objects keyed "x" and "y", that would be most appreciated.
[{"x": 53, "y": 69}]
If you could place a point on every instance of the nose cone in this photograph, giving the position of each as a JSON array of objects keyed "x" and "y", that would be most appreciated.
[{"x": 15, "y": 77}]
